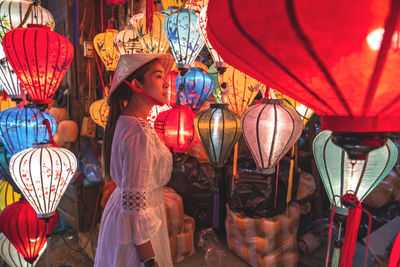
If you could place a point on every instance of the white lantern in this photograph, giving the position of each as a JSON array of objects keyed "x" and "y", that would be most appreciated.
[
  {"x": 43, "y": 173},
  {"x": 128, "y": 42}
]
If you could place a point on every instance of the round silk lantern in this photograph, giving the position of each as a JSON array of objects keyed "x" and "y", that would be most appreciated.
[
  {"x": 128, "y": 42},
  {"x": 21, "y": 225},
  {"x": 270, "y": 130},
  {"x": 197, "y": 88},
  {"x": 175, "y": 128},
  {"x": 155, "y": 41},
  {"x": 218, "y": 129},
  {"x": 40, "y": 58},
  {"x": 151, "y": 118},
  {"x": 22, "y": 127},
  {"x": 99, "y": 112},
  {"x": 105, "y": 48},
  {"x": 43, "y": 173},
  {"x": 184, "y": 37},
  {"x": 11, "y": 255},
  {"x": 7, "y": 195}
]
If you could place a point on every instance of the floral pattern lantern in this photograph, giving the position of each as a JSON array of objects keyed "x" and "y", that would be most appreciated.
[
  {"x": 43, "y": 173},
  {"x": 50, "y": 55},
  {"x": 184, "y": 37},
  {"x": 151, "y": 118},
  {"x": 196, "y": 5},
  {"x": 154, "y": 42},
  {"x": 105, "y": 48},
  {"x": 20, "y": 127},
  {"x": 128, "y": 42},
  {"x": 22, "y": 227},
  {"x": 99, "y": 112},
  {"x": 7, "y": 195}
]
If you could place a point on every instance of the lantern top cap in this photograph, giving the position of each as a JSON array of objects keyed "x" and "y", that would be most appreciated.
[
  {"x": 42, "y": 145},
  {"x": 218, "y": 105},
  {"x": 38, "y": 26},
  {"x": 272, "y": 101}
]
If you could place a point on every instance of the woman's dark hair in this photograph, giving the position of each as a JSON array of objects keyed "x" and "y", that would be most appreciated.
[{"x": 123, "y": 93}]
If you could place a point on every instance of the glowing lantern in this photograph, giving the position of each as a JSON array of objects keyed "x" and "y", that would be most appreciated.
[
  {"x": 184, "y": 37},
  {"x": 154, "y": 42},
  {"x": 172, "y": 3},
  {"x": 175, "y": 128},
  {"x": 9, "y": 80},
  {"x": 172, "y": 92},
  {"x": 151, "y": 118},
  {"x": 197, "y": 5},
  {"x": 99, "y": 112},
  {"x": 116, "y": 2},
  {"x": 7, "y": 195},
  {"x": 40, "y": 58},
  {"x": 197, "y": 88},
  {"x": 11, "y": 255},
  {"x": 6, "y": 102},
  {"x": 105, "y": 48},
  {"x": 22, "y": 127},
  {"x": 43, "y": 173},
  {"x": 217, "y": 93},
  {"x": 21, "y": 225},
  {"x": 270, "y": 130},
  {"x": 127, "y": 42}
]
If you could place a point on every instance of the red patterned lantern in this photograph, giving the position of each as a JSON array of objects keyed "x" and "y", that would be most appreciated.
[
  {"x": 40, "y": 58},
  {"x": 172, "y": 92},
  {"x": 21, "y": 225},
  {"x": 175, "y": 128}
]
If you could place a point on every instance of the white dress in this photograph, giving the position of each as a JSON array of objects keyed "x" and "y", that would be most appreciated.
[{"x": 135, "y": 213}]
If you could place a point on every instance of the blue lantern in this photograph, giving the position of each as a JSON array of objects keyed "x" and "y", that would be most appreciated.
[
  {"x": 22, "y": 127},
  {"x": 185, "y": 40},
  {"x": 4, "y": 167},
  {"x": 197, "y": 87}
]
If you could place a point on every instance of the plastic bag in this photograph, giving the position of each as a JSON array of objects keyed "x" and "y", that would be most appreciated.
[
  {"x": 90, "y": 165},
  {"x": 214, "y": 254}
]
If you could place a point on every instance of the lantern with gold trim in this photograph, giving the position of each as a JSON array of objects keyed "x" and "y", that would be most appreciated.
[
  {"x": 155, "y": 41},
  {"x": 105, "y": 48}
]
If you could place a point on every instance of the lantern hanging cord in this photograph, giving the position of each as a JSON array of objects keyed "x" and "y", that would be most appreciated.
[{"x": 47, "y": 123}]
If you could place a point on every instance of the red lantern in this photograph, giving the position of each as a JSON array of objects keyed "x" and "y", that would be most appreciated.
[
  {"x": 116, "y": 2},
  {"x": 20, "y": 224},
  {"x": 172, "y": 92},
  {"x": 40, "y": 58},
  {"x": 175, "y": 128},
  {"x": 318, "y": 53}
]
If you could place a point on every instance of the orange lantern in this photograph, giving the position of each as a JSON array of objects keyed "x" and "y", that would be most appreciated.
[{"x": 99, "y": 112}]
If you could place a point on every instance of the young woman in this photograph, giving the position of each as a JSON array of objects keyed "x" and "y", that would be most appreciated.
[{"x": 133, "y": 228}]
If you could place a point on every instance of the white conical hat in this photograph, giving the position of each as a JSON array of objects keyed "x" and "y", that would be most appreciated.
[{"x": 129, "y": 63}]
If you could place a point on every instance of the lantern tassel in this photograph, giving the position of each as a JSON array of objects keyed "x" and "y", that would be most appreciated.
[
  {"x": 149, "y": 15},
  {"x": 290, "y": 182},
  {"x": 47, "y": 123},
  {"x": 330, "y": 236}
]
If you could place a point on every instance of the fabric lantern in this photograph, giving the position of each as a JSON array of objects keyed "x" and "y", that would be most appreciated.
[
  {"x": 151, "y": 118},
  {"x": 172, "y": 92},
  {"x": 43, "y": 173},
  {"x": 50, "y": 55},
  {"x": 172, "y": 3},
  {"x": 270, "y": 130},
  {"x": 6, "y": 102},
  {"x": 218, "y": 61},
  {"x": 184, "y": 37},
  {"x": 116, "y": 2},
  {"x": 175, "y": 128},
  {"x": 217, "y": 93},
  {"x": 196, "y": 5},
  {"x": 4, "y": 167},
  {"x": 105, "y": 48},
  {"x": 9, "y": 80},
  {"x": 22, "y": 127},
  {"x": 99, "y": 112},
  {"x": 11, "y": 255},
  {"x": 67, "y": 133},
  {"x": 7, "y": 195},
  {"x": 197, "y": 88},
  {"x": 127, "y": 42},
  {"x": 198, "y": 64},
  {"x": 21, "y": 225},
  {"x": 155, "y": 41}
]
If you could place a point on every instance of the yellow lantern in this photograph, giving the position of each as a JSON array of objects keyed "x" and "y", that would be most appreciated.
[
  {"x": 105, "y": 48},
  {"x": 7, "y": 195},
  {"x": 128, "y": 42},
  {"x": 99, "y": 112},
  {"x": 167, "y": 3},
  {"x": 6, "y": 102},
  {"x": 154, "y": 42}
]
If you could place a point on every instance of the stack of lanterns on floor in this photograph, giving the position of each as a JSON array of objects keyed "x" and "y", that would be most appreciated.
[{"x": 35, "y": 171}]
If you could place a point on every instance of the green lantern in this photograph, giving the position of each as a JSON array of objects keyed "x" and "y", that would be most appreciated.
[{"x": 217, "y": 93}]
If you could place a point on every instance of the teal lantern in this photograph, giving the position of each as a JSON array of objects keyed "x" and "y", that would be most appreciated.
[
  {"x": 217, "y": 93},
  {"x": 185, "y": 40}
]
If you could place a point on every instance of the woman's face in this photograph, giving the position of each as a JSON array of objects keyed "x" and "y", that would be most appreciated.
[{"x": 154, "y": 82}]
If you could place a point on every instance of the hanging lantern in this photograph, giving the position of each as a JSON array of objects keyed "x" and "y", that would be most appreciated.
[
  {"x": 218, "y": 129},
  {"x": 99, "y": 112},
  {"x": 43, "y": 173},
  {"x": 11, "y": 255},
  {"x": 172, "y": 92},
  {"x": 197, "y": 88},
  {"x": 6, "y": 102},
  {"x": 172, "y": 3},
  {"x": 270, "y": 130},
  {"x": 22, "y": 127},
  {"x": 217, "y": 93},
  {"x": 50, "y": 55},
  {"x": 196, "y": 5},
  {"x": 151, "y": 118},
  {"x": 184, "y": 37},
  {"x": 4, "y": 167},
  {"x": 128, "y": 42},
  {"x": 7, "y": 195},
  {"x": 154, "y": 42},
  {"x": 218, "y": 61},
  {"x": 20, "y": 224},
  {"x": 175, "y": 128},
  {"x": 116, "y": 2},
  {"x": 9, "y": 80},
  {"x": 105, "y": 48}
]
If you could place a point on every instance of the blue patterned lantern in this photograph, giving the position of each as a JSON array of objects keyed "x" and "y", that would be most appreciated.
[
  {"x": 197, "y": 87},
  {"x": 185, "y": 40},
  {"x": 22, "y": 127}
]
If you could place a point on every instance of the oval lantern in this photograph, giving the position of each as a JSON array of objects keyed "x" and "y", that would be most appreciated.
[
  {"x": 11, "y": 255},
  {"x": 21, "y": 225},
  {"x": 175, "y": 128},
  {"x": 105, "y": 48},
  {"x": 155, "y": 110},
  {"x": 50, "y": 55},
  {"x": 270, "y": 130},
  {"x": 197, "y": 87},
  {"x": 154, "y": 42},
  {"x": 128, "y": 42},
  {"x": 184, "y": 37},
  {"x": 20, "y": 127},
  {"x": 43, "y": 173},
  {"x": 7, "y": 195},
  {"x": 219, "y": 129},
  {"x": 99, "y": 112}
]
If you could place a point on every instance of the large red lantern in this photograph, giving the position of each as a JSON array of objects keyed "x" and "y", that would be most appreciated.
[
  {"x": 20, "y": 224},
  {"x": 40, "y": 58}
]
